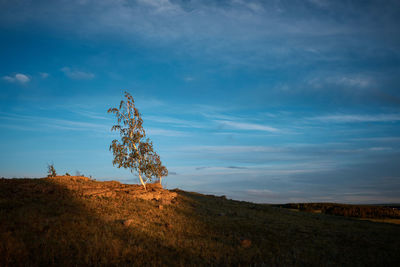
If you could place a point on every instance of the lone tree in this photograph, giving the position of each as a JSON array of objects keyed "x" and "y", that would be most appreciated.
[{"x": 134, "y": 150}]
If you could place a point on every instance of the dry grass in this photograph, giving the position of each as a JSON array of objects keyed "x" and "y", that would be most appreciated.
[
  {"x": 54, "y": 222},
  {"x": 394, "y": 221}
]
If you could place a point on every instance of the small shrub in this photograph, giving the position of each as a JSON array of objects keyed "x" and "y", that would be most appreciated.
[{"x": 51, "y": 170}]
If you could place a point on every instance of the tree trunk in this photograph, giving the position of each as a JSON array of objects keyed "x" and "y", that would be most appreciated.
[
  {"x": 160, "y": 179},
  {"x": 140, "y": 176},
  {"x": 141, "y": 181}
]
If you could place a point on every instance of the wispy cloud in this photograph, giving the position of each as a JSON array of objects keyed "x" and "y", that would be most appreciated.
[
  {"x": 102, "y": 124},
  {"x": 222, "y": 168},
  {"x": 90, "y": 114},
  {"x": 320, "y": 3},
  {"x": 233, "y": 149},
  {"x": 347, "y": 118},
  {"x": 380, "y": 148},
  {"x": 253, "y": 56},
  {"x": 297, "y": 183},
  {"x": 44, "y": 75},
  {"x": 39, "y": 123},
  {"x": 174, "y": 121},
  {"x": 19, "y": 77},
  {"x": 337, "y": 80},
  {"x": 161, "y": 6},
  {"x": 188, "y": 79},
  {"x": 247, "y": 126},
  {"x": 378, "y": 139},
  {"x": 253, "y": 29},
  {"x": 354, "y": 81},
  {"x": 165, "y": 132},
  {"x": 77, "y": 75}
]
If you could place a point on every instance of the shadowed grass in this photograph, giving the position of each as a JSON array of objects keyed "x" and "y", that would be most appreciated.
[{"x": 45, "y": 222}]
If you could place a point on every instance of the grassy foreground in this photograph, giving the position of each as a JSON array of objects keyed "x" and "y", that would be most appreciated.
[{"x": 74, "y": 221}]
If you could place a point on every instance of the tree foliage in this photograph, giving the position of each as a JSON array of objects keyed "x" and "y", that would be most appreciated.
[
  {"x": 154, "y": 167},
  {"x": 134, "y": 150},
  {"x": 51, "y": 170}
]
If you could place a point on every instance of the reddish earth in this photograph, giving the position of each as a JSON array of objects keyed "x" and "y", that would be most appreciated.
[{"x": 86, "y": 187}]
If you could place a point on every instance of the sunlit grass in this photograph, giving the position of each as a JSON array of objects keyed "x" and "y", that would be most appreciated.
[{"x": 51, "y": 222}]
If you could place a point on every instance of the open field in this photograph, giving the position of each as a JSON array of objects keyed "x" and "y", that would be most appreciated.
[{"x": 68, "y": 221}]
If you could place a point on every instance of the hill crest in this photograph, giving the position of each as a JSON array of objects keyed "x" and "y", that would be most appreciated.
[{"x": 69, "y": 221}]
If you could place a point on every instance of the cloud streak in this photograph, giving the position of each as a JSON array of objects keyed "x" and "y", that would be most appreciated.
[
  {"x": 76, "y": 74},
  {"x": 19, "y": 78},
  {"x": 247, "y": 126},
  {"x": 254, "y": 30},
  {"x": 165, "y": 132},
  {"x": 336, "y": 80},
  {"x": 44, "y": 75},
  {"x": 172, "y": 121},
  {"x": 38, "y": 123},
  {"x": 348, "y": 118}
]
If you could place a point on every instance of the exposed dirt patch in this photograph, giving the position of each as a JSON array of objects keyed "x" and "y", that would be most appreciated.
[{"x": 86, "y": 187}]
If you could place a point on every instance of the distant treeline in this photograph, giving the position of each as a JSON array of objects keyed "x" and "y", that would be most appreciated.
[{"x": 359, "y": 211}]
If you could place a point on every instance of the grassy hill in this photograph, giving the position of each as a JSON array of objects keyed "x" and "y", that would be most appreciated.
[{"x": 68, "y": 221}]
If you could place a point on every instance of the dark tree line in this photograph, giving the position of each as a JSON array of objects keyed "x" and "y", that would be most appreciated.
[{"x": 358, "y": 211}]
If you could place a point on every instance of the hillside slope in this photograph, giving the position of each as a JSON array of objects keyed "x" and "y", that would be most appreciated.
[{"x": 67, "y": 221}]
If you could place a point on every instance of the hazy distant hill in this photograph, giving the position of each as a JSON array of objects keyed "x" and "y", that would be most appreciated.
[{"x": 68, "y": 221}]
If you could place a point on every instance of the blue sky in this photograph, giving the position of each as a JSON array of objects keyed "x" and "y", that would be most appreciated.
[{"x": 265, "y": 101}]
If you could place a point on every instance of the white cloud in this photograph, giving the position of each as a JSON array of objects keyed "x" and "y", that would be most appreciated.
[
  {"x": 22, "y": 78},
  {"x": 174, "y": 121},
  {"x": 248, "y": 126},
  {"x": 253, "y": 6},
  {"x": 354, "y": 81},
  {"x": 344, "y": 118},
  {"x": 237, "y": 29},
  {"x": 8, "y": 79},
  {"x": 346, "y": 81},
  {"x": 90, "y": 114},
  {"x": 234, "y": 30},
  {"x": 44, "y": 75},
  {"x": 164, "y": 132},
  {"x": 19, "y": 77},
  {"x": 233, "y": 149},
  {"x": 378, "y": 139},
  {"x": 380, "y": 148},
  {"x": 319, "y": 3},
  {"x": 161, "y": 6},
  {"x": 188, "y": 79},
  {"x": 38, "y": 123},
  {"x": 77, "y": 75}
]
